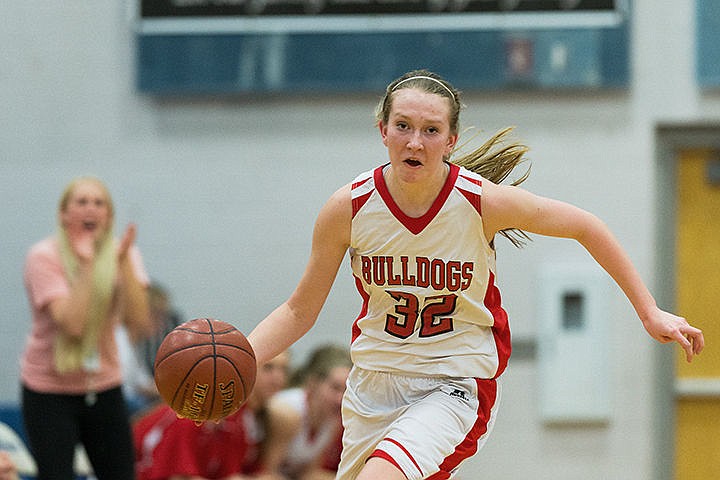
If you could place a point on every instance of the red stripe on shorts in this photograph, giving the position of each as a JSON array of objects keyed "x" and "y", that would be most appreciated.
[
  {"x": 487, "y": 395},
  {"x": 386, "y": 456}
]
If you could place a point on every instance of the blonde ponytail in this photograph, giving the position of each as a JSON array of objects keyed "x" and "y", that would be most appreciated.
[{"x": 495, "y": 160}]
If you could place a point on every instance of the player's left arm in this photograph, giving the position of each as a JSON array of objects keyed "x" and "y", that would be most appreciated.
[{"x": 512, "y": 207}]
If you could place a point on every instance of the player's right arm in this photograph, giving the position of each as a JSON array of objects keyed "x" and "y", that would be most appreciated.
[{"x": 291, "y": 320}]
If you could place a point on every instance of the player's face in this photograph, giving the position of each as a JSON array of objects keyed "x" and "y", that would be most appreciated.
[
  {"x": 417, "y": 134},
  {"x": 87, "y": 211}
]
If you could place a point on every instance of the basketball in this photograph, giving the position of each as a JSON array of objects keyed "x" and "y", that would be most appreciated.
[{"x": 205, "y": 369}]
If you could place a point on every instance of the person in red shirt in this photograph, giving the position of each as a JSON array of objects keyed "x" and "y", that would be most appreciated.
[{"x": 172, "y": 448}]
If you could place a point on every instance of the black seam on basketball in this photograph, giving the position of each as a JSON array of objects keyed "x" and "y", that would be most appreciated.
[
  {"x": 243, "y": 380},
  {"x": 178, "y": 350},
  {"x": 250, "y": 352},
  {"x": 180, "y": 385}
]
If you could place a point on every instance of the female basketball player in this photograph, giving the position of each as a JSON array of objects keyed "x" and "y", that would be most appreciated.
[{"x": 432, "y": 338}]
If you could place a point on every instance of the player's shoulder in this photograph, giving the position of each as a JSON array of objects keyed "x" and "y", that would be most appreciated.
[{"x": 340, "y": 200}]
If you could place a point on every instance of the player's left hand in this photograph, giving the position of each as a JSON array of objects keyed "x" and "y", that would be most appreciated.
[{"x": 666, "y": 327}]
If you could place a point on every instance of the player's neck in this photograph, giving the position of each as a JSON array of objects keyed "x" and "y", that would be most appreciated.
[{"x": 415, "y": 198}]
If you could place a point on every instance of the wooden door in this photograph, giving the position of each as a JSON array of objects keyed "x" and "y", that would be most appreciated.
[{"x": 697, "y": 405}]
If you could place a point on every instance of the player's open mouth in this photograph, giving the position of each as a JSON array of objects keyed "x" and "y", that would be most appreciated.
[
  {"x": 413, "y": 163},
  {"x": 90, "y": 225}
]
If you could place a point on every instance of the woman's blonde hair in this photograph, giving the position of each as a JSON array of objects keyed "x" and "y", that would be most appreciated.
[
  {"x": 494, "y": 160},
  {"x": 70, "y": 353}
]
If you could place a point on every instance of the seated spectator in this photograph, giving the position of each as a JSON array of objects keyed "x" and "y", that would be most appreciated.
[
  {"x": 311, "y": 417},
  {"x": 172, "y": 448},
  {"x": 15, "y": 458},
  {"x": 164, "y": 318},
  {"x": 137, "y": 356},
  {"x": 138, "y": 385}
]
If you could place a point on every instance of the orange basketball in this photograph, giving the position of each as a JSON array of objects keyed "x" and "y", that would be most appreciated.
[{"x": 205, "y": 369}]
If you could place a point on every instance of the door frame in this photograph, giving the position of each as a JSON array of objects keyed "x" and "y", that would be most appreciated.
[{"x": 670, "y": 139}]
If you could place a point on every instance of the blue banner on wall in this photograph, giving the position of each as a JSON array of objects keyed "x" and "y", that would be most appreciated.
[
  {"x": 708, "y": 43},
  {"x": 237, "y": 54}
]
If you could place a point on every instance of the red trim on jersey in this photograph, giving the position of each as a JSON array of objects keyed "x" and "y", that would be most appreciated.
[
  {"x": 415, "y": 225},
  {"x": 386, "y": 456},
  {"x": 363, "y": 310},
  {"x": 474, "y": 180},
  {"x": 473, "y": 198},
  {"x": 357, "y": 203},
  {"x": 501, "y": 326},
  {"x": 362, "y": 182},
  {"x": 487, "y": 396}
]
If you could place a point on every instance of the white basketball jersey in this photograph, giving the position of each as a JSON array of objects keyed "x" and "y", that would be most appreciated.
[{"x": 430, "y": 303}]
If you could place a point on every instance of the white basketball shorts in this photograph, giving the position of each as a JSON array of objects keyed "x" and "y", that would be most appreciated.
[{"x": 425, "y": 426}]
